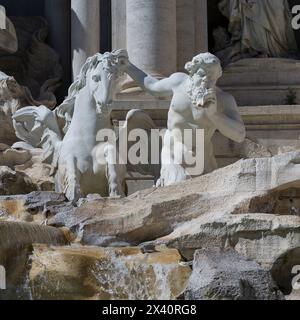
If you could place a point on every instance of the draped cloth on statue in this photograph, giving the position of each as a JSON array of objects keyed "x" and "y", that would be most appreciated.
[{"x": 261, "y": 25}]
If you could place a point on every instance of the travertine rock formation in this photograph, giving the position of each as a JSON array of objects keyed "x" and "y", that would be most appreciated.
[
  {"x": 12, "y": 182},
  {"x": 16, "y": 241},
  {"x": 250, "y": 208},
  {"x": 12, "y": 157},
  {"x": 37, "y": 170},
  {"x": 27, "y": 160},
  {"x": 33, "y": 207},
  {"x": 226, "y": 275},
  {"x": 106, "y": 273},
  {"x": 168, "y": 215},
  {"x": 14, "y": 235}
]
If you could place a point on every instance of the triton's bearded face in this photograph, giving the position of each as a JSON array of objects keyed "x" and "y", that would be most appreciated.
[{"x": 204, "y": 70}]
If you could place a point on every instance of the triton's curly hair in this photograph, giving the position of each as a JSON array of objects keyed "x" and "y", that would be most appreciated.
[
  {"x": 203, "y": 68},
  {"x": 205, "y": 64}
]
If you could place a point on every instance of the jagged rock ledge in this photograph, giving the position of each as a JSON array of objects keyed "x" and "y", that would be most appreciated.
[{"x": 250, "y": 208}]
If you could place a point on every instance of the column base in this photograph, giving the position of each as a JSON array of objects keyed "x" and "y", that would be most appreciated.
[{"x": 130, "y": 85}]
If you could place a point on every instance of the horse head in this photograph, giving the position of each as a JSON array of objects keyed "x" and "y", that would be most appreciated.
[
  {"x": 100, "y": 76},
  {"x": 103, "y": 78}
]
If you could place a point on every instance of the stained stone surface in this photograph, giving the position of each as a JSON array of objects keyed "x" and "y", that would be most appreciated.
[
  {"x": 268, "y": 81},
  {"x": 12, "y": 182},
  {"x": 16, "y": 240},
  {"x": 14, "y": 235},
  {"x": 226, "y": 275},
  {"x": 36, "y": 169},
  {"x": 106, "y": 273},
  {"x": 250, "y": 208},
  {"x": 284, "y": 271},
  {"x": 33, "y": 207},
  {"x": 11, "y": 157},
  {"x": 247, "y": 195},
  {"x": 27, "y": 162}
]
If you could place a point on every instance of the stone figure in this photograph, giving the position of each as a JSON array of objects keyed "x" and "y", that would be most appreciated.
[
  {"x": 81, "y": 164},
  {"x": 13, "y": 97},
  {"x": 197, "y": 103},
  {"x": 34, "y": 65},
  {"x": 8, "y": 37},
  {"x": 30, "y": 70},
  {"x": 258, "y": 28}
]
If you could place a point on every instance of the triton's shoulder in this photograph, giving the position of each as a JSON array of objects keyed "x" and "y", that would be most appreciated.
[
  {"x": 179, "y": 76},
  {"x": 225, "y": 96},
  {"x": 225, "y": 99}
]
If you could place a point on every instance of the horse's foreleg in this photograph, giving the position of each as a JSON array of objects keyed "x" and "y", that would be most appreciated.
[
  {"x": 69, "y": 177},
  {"x": 115, "y": 173},
  {"x": 116, "y": 188}
]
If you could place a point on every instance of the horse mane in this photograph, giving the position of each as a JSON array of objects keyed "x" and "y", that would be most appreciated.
[{"x": 109, "y": 59}]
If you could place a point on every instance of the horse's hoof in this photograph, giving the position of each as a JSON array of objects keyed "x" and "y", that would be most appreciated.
[{"x": 115, "y": 196}]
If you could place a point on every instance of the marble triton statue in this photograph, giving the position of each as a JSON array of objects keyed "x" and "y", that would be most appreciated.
[{"x": 197, "y": 103}]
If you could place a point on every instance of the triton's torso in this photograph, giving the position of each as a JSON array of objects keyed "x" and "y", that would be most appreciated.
[{"x": 184, "y": 115}]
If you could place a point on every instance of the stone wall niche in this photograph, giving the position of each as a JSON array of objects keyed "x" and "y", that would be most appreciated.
[{"x": 260, "y": 57}]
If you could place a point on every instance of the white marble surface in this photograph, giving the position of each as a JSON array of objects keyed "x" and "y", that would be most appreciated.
[
  {"x": 85, "y": 24},
  {"x": 151, "y": 35},
  {"x": 197, "y": 103},
  {"x": 80, "y": 161}
]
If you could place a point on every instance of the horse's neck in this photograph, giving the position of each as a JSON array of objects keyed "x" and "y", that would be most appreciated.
[{"x": 85, "y": 111}]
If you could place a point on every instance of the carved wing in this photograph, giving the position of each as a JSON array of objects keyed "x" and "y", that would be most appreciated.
[
  {"x": 38, "y": 126},
  {"x": 138, "y": 119}
]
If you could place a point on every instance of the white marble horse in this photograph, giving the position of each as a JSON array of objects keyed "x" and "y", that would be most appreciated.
[{"x": 80, "y": 163}]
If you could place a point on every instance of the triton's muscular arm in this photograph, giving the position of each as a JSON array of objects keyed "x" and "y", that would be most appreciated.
[
  {"x": 227, "y": 118},
  {"x": 162, "y": 88}
]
